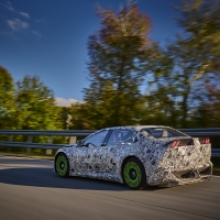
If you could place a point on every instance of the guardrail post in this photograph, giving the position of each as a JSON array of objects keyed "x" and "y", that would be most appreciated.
[
  {"x": 30, "y": 138},
  {"x": 49, "y": 141},
  {"x": 72, "y": 139},
  {"x": 10, "y": 139}
]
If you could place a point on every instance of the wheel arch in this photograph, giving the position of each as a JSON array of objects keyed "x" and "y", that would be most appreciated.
[
  {"x": 143, "y": 184},
  {"x": 130, "y": 157}
]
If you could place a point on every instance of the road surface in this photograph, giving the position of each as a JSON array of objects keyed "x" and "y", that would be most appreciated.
[{"x": 29, "y": 189}]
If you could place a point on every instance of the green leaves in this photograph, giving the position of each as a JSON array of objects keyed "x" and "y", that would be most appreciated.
[
  {"x": 117, "y": 57},
  {"x": 201, "y": 24},
  {"x": 36, "y": 104},
  {"x": 30, "y": 105},
  {"x": 180, "y": 80},
  {"x": 6, "y": 99}
]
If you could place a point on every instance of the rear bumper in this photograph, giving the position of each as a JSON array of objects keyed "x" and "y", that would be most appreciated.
[{"x": 181, "y": 177}]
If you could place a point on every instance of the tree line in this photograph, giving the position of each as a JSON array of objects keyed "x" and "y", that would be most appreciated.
[{"x": 133, "y": 79}]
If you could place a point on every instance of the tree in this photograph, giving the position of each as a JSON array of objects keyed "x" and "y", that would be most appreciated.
[
  {"x": 36, "y": 105},
  {"x": 208, "y": 112},
  {"x": 197, "y": 51},
  {"x": 182, "y": 70},
  {"x": 118, "y": 53},
  {"x": 200, "y": 20},
  {"x": 161, "y": 97},
  {"x": 6, "y": 99}
]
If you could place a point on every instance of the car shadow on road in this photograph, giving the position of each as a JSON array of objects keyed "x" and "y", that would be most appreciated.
[{"x": 46, "y": 177}]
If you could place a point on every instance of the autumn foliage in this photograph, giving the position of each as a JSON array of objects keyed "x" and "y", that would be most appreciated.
[{"x": 133, "y": 80}]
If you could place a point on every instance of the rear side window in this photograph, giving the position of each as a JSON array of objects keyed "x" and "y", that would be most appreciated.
[
  {"x": 157, "y": 133},
  {"x": 163, "y": 132},
  {"x": 174, "y": 133}
]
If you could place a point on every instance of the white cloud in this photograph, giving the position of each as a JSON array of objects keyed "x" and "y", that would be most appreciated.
[
  {"x": 66, "y": 102},
  {"x": 17, "y": 24},
  {"x": 9, "y": 6},
  {"x": 24, "y": 14},
  {"x": 38, "y": 34}
]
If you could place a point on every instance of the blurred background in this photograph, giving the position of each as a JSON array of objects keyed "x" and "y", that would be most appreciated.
[{"x": 140, "y": 63}]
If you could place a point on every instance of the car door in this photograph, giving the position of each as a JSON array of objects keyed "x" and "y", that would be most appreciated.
[
  {"x": 119, "y": 144},
  {"x": 88, "y": 154}
]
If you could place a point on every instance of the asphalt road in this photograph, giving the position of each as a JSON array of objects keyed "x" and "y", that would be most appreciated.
[{"x": 29, "y": 189}]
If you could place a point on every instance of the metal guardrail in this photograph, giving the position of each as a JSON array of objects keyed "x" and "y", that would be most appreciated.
[
  {"x": 73, "y": 134},
  {"x": 31, "y": 145},
  {"x": 215, "y": 152},
  {"x": 194, "y": 132},
  {"x": 49, "y": 132},
  {"x": 201, "y": 132}
]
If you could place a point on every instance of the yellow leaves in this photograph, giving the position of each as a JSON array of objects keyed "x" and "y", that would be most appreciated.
[
  {"x": 200, "y": 72},
  {"x": 216, "y": 38},
  {"x": 128, "y": 22}
]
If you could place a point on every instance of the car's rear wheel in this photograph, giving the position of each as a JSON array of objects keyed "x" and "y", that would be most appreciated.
[
  {"x": 133, "y": 174},
  {"x": 62, "y": 165}
]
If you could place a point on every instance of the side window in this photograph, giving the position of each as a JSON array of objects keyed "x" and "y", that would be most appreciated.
[
  {"x": 173, "y": 133},
  {"x": 121, "y": 136},
  {"x": 97, "y": 139},
  {"x": 163, "y": 133},
  {"x": 157, "y": 132}
]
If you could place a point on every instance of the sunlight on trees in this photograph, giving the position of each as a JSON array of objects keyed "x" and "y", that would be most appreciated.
[
  {"x": 35, "y": 105},
  {"x": 118, "y": 54},
  {"x": 181, "y": 79},
  {"x": 7, "y": 107}
]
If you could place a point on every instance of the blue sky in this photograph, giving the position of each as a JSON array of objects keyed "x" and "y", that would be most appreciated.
[{"x": 48, "y": 38}]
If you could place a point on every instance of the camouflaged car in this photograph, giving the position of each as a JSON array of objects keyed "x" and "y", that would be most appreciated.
[{"x": 138, "y": 156}]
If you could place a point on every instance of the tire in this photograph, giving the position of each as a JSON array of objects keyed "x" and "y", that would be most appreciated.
[
  {"x": 62, "y": 165},
  {"x": 133, "y": 174}
]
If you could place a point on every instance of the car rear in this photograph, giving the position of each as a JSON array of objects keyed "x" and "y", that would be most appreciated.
[
  {"x": 186, "y": 160},
  {"x": 179, "y": 159}
]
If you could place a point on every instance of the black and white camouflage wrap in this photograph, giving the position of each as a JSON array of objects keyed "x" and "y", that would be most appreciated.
[{"x": 164, "y": 166}]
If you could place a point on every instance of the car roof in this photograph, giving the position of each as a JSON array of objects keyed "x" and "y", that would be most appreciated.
[{"x": 139, "y": 127}]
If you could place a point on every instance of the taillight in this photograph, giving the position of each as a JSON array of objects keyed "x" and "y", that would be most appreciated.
[
  {"x": 183, "y": 142},
  {"x": 204, "y": 140},
  {"x": 175, "y": 143}
]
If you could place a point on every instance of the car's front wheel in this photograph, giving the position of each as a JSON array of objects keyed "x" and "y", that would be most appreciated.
[
  {"x": 133, "y": 174},
  {"x": 62, "y": 165}
]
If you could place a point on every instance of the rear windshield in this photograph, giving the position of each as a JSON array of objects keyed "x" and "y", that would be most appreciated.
[{"x": 163, "y": 132}]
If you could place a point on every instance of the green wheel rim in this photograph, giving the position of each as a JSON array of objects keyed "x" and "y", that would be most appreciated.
[
  {"x": 61, "y": 165},
  {"x": 132, "y": 167}
]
